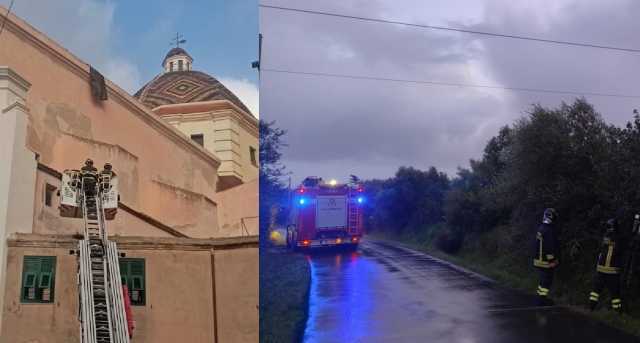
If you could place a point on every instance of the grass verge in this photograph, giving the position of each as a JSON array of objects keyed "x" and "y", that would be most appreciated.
[
  {"x": 503, "y": 273},
  {"x": 284, "y": 295}
]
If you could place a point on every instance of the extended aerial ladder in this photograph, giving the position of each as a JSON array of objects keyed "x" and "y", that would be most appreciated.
[{"x": 101, "y": 311}]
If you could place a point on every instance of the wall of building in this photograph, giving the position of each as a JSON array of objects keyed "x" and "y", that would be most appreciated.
[
  {"x": 167, "y": 186},
  {"x": 249, "y": 170},
  {"x": 47, "y": 218},
  {"x": 238, "y": 206},
  {"x": 227, "y": 133},
  {"x": 17, "y": 169},
  {"x": 161, "y": 173},
  {"x": 179, "y": 299},
  {"x": 237, "y": 295},
  {"x": 40, "y": 323},
  {"x": 179, "y": 293},
  {"x": 227, "y": 146}
]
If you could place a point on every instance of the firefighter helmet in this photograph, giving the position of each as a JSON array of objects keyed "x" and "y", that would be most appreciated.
[
  {"x": 88, "y": 162},
  {"x": 549, "y": 216}
]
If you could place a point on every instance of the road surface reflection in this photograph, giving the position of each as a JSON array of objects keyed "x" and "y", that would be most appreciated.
[{"x": 386, "y": 293}]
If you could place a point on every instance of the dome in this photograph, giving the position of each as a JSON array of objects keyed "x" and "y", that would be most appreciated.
[{"x": 179, "y": 87}]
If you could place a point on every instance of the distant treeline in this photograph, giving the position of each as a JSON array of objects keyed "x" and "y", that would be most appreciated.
[{"x": 567, "y": 158}]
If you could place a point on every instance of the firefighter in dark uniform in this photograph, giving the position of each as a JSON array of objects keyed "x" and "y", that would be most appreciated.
[
  {"x": 88, "y": 174},
  {"x": 546, "y": 254},
  {"x": 609, "y": 267},
  {"x": 105, "y": 177}
]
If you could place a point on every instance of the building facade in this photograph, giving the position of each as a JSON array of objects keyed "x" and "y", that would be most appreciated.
[{"x": 191, "y": 249}]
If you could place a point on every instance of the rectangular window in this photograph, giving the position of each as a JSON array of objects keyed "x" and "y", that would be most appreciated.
[
  {"x": 38, "y": 279},
  {"x": 180, "y": 65},
  {"x": 48, "y": 194},
  {"x": 132, "y": 274},
  {"x": 252, "y": 152},
  {"x": 170, "y": 66},
  {"x": 198, "y": 138}
]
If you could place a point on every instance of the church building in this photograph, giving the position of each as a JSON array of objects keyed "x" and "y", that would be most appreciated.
[{"x": 184, "y": 150}]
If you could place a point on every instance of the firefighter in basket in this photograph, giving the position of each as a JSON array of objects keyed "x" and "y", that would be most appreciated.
[
  {"x": 609, "y": 267},
  {"x": 105, "y": 177},
  {"x": 546, "y": 253},
  {"x": 88, "y": 174}
]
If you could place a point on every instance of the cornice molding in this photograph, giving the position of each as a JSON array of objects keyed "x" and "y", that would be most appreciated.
[
  {"x": 213, "y": 109},
  {"x": 17, "y": 105},
  {"x": 7, "y": 73},
  {"x": 30, "y": 240}
]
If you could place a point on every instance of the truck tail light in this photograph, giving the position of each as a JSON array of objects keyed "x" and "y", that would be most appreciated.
[
  {"x": 305, "y": 242},
  {"x": 354, "y": 239},
  {"x": 338, "y": 240}
]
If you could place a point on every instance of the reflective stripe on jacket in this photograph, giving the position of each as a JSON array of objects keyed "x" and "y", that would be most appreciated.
[
  {"x": 546, "y": 247},
  {"x": 610, "y": 256}
]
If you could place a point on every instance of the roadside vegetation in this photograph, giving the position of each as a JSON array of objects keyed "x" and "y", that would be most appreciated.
[
  {"x": 284, "y": 295},
  {"x": 485, "y": 217},
  {"x": 284, "y": 276}
]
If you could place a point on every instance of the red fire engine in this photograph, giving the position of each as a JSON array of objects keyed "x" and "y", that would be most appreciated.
[{"x": 325, "y": 214}]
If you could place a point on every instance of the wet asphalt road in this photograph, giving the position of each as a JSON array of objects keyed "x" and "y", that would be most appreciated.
[{"x": 387, "y": 293}]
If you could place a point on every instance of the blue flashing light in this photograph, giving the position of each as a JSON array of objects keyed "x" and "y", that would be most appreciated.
[
  {"x": 360, "y": 200},
  {"x": 302, "y": 201}
]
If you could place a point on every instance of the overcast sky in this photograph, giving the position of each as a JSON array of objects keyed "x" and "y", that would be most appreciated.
[
  {"x": 338, "y": 127},
  {"x": 127, "y": 40}
]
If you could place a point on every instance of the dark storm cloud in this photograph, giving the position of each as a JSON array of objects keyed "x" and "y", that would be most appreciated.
[{"x": 341, "y": 126}]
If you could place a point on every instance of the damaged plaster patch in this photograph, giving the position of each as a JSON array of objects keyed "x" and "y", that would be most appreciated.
[
  {"x": 65, "y": 119},
  {"x": 58, "y": 118}
]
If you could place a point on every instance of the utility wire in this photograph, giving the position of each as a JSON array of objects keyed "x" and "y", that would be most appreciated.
[
  {"x": 451, "y": 84},
  {"x": 4, "y": 21},
  {"x": 434, "y": 27}
]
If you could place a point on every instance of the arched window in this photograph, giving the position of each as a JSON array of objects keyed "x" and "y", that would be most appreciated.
[
  {"x": 180, "y": 65},
  {"x": 170, "y": 66}
]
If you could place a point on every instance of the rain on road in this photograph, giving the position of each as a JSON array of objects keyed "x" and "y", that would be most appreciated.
[{"x": 388, "y": 293}]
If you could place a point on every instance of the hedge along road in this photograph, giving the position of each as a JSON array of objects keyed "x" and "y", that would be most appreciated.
[{"x": 388, "y": 293}]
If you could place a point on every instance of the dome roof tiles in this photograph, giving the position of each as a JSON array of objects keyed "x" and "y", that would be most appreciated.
[{"x": 180, "y": 87}]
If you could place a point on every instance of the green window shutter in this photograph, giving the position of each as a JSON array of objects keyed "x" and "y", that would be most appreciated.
[
  {"x": 132, "y": 272},
  {"x": 137, "y": 283},
  {"x": 124, "y": 266},
  {"x": 29, "y": 279},
  {"x": 137, "y": 274},
  {"x": 38, "y": 279},
  {"x": 45, "y": 280}
]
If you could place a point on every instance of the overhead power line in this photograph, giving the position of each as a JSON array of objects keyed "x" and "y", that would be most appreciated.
[
  {"x": 451, "y": 84},
  {"x": 435, "y": 27},
  {"x": 4, "y": 20}
]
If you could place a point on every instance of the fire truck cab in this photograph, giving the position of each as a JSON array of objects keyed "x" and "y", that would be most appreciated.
[{"x": 324, "y": 214}]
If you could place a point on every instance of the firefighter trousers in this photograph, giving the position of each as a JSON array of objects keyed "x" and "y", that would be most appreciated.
[
  {"x": 546, "y": 280},
  {"x": 612, "y": 283}
]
